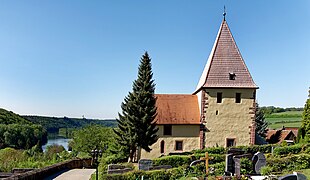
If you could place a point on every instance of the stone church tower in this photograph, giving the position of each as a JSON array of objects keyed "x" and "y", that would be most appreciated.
[{"x": 226, "y": 95}]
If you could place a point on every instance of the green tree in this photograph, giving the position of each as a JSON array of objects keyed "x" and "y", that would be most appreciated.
[
  {"x": 261, "y": 123},
  {"x": 91, "y": 137},
  {"x": 137, "y": 128},
  {"x": 305, "y": 124}
]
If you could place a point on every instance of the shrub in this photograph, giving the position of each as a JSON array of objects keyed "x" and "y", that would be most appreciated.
[
  {"x": 218, "y": 169},
  {"x": 174, "y": 161},
  {"x": 9, "y": 158},
  {"x": 211, "y": 150},
  {"x": 199, "y": 170},
  {"x": 293, "y": 162},
  {"x": 266, "y": 170},
  {"x": 53, "y": 150},
  {"x": 246, "y": 166},
  {"x": 169, "y": 174},
  {"x": 257, "y": 148},
  {"x": 294, "y": 149},
  {"x": 213, "y": 158}
]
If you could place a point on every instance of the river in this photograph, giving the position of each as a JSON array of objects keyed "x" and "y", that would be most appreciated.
[{"x": 60, "y": 141}]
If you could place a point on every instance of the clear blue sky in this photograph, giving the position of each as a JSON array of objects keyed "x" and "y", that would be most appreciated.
[{"x": 73, "y": 58}]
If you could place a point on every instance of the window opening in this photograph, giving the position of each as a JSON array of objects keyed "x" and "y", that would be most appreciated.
[
  {"x": 238, "y": 97},
  {"x": 162, "y": 147},
  {"x": 219, "y": 98},
  {"x": 179, "y": 145},
  {"x": 232, "y": 76},
  {"x": 230, "y": 142},
  {"x": 167, "y": 129}
]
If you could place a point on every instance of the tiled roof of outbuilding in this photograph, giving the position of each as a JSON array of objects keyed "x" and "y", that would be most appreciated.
[
  {"x": 177, "y": 109},
  {"x": 225, "y": 59},
  {"x": 279, "y": 135}
]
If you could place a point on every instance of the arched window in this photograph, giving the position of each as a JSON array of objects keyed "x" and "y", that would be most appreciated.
[{"x": 162, "y": 147}]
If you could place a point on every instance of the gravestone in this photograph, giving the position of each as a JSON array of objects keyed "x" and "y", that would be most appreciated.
[
  {"x": 300, "y": 176},
  {"x": 145, "y": 164},
  {"x": 288, "y": 177},
  {"x": 237, "y": 166},
  {"x": 115, "y": 166},
  {"x": 230, "y": 163},
  {"x": 259, "y": 161}
]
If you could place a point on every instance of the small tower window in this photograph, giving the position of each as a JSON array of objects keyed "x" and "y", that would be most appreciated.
[
  {"x": 167, "y": 129},
  {"x": 219, "y": 98},
  {"x": 232, "y": 76},
  {"x": 238, "y": 97}
]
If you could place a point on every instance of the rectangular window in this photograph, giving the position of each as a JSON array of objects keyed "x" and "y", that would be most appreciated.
[
  {"x": 230, "y": 142},
  {"x": 238, "y": 97},
  {"x": 219, "y": 98},
  {"x": 167, "y": 129},
  {"x": 179, "y": 145}
]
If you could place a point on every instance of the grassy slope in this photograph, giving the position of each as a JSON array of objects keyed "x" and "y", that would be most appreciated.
[{"x": 287, "y": 119}]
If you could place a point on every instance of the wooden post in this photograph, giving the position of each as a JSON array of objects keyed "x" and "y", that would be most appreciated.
[{"x": 207, "y": 163}]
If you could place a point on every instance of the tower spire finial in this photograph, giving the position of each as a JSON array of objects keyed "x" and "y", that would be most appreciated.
[{"x": 224, "y": 14}]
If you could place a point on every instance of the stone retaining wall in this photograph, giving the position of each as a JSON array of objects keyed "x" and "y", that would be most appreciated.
[{"x": 50, "y": 170}]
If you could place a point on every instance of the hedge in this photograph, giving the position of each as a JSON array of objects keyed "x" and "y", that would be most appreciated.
[
  {"x": 213, "y": 158},
  {"x": 211, "y": 150},
  {"x": 257, "y": 148},
  {"x": 248, "y": 149},
  {"x": 292, "y": 162},
  {"x": 169, "y": 174},
  {"x": 294, "y": 149},
  {"x": 174, "y": 161}
]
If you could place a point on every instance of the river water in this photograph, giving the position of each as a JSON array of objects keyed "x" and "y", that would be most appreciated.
[{"x": 58, "y": 140}]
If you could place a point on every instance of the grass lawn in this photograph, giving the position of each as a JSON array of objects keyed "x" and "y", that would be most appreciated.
[
  {"x": 278, "y": 122},
  {"x": 289, "y": 112}
]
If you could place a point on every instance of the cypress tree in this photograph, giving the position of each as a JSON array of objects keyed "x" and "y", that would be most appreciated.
[
  {"x": 261, "y": 123},
  {"x": 137, "y": 128},
  {"x": 305, "y": 123}
]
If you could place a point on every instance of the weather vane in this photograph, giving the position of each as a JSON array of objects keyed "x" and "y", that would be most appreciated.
[{"x": 224, "y": 14}]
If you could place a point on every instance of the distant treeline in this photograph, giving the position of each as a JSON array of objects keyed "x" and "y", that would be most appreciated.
[
  {"x": 18, "y": 132},
  {"x": 271, "y": 109},
  {"x": 53, "y": 124}
]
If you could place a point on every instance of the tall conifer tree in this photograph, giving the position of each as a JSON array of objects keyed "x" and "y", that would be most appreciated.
[
  {"x": 137, "y": 128},
  {"x": 305, "y": 123},
  {"x": 261, "y": 123}
]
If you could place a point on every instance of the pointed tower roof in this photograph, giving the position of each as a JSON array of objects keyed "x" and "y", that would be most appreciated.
[{"x": 225, "y": 67}]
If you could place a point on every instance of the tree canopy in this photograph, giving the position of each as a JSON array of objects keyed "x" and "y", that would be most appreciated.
[
  {"x": 8, "y": 117},
  {"x": 136, "y": 124},
  {"x": 19, "y": 133}
]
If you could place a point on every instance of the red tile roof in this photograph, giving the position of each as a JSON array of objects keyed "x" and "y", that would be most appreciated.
[
  {"x": 177, "y": 109},
  {"x": 224, "y": 59},
  {"x": 279, "y": 135},
  {"x": 293, "y": 129}
]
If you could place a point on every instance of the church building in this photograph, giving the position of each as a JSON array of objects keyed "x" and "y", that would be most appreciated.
[{"x": 221, "y": 110}]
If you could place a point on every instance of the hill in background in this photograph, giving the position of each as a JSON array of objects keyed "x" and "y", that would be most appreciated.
[
  {"x": 8, "y": 117},
  {"x": 53, "y": 124}
]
